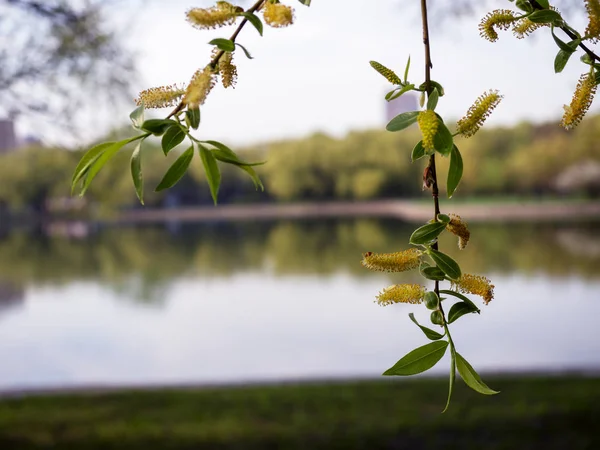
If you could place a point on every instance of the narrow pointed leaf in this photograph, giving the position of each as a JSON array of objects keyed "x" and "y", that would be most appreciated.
[
  {"x": 226, "y": 45},
  {"x": 157, "y": 126},
  {"x": 226, "y": 155},
  {"x": 172, "y": 138},
  {"x": 471, "y": 377},
  {"x": 443, "y": 140},
  {"x": 193, "y": 117},
  {"x": 419, "y": 360},
  {"x": 455, "y": 171},
  {"x": 136, "y": 171},
  {"x": 177, "y": 170},
  {"x": 418, "y": 152},
  {"x": 427, "y": 233},
  {"x": 254, "y": 20},
  {"x": 433, "y": 98},
  {"x": 407, "y": 68},
  {"x": 402, "y": 121},
  {"x": 101, "y": 160},
  {"x": 452, "y": 378},
  {"x": 460, "y": 309},
  {"x": 446, "y": 264},
  {"x": 460, "y": 296},
  {"x": 213, "y": 175},
  {"x": 87, "y": 160},
  {"x": 246, "y": 52},
  {"x": 433, "y": 273},
  {"x": 561, "y": 60},
  {"x": 137, "y": 117},
  {"x": 433, "y": 335}
]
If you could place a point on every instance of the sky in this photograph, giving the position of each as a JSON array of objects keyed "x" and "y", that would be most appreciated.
[{"x": 315, "y": 75}]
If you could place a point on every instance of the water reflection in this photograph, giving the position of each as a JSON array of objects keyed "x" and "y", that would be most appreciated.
[
  {"x": 141, "y": 262},
  {"x": 238, "y": 302}
]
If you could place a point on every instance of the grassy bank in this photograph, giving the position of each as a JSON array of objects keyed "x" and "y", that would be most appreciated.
[{"x": 530, "y": 413}]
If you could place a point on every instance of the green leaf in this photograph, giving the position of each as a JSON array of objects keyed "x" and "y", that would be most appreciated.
[
  {"x": 433, "y": 273},
  {"x": 433, "y": 335},
  {"x": 177, "y": 170},
  {"x": 418, "y": 152},
  {"x": 455, "y": 171},
  {"x": 561, "y": 60},
  {"x": 406, "y": 71},
  {"x": 305, "y": 2},
  {"x": 443, "y": 218},
  {"x": 524, "y": 5},
  {"x": 402, "y": 121},
  {"x": 427, "y": 233},
  {"x": 157, "y": 126},
  {"x": 419, "y": 360},
  {"x": 102, "y": 159},
  {"x": 136, "y": 171},
  {"x": 87, "y": 160},
  {"x": 254, "y": 176},
  {"x": 545, "y": 16},
  {"x": 446, "y": 264},
  {"x": 213, "y": 175},
  {"x": 226, "y": 45},
  {"x": 544, "y": 3},
  {"x": 393, "y": 95},
  {"x": 193, "y": 117},
  {"x": 172, "y": 138},
  {"x": 226, "y": 155},
  {"x": 460, "y": 309},
  {"x": 137, "y": 117},
  {"x": 246, "y": 52},
  {"x": 570, "y": 47},
  {"x": 431, "y": 301},
  {"x": 472, "y": 378},
  {"x": 254, "y": 20},
  {"x": 452, "y": 377},
  {"x": 432, "y": 99},
  {"x": 443, "y": 140},
  {"x": 460, "y": 296}
]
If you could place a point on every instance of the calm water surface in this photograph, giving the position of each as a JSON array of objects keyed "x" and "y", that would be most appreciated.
[{"x": 242, "y": 302}]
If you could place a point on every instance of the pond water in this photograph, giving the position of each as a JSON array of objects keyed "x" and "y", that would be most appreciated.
[{"x": 222, "y": 302}]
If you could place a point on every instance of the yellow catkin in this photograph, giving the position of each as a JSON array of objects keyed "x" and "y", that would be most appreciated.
[
  {"x": 500, "y": 19},
  {"x": 459, "y": 228},
  {"x": 581, "y": 102},
  {"x": 401, "y": 293},
  {"x": 476, "y": 285},
  {"x": 388, "y": 74},
  {"x": 428, "y": 124},
  {"x": 524, "y": 27},
  {"x": 278, "y": 15},
  {"x": 223, "y": 13},
  {"x": 593, "y": 10},
  {"x": 160, "y": 97},
  {"x": 392, "y": 262},
  {"x": 201, "y": 84},
  {"x": 478, "y": 113},
  {"x": 228, "y": 70}
]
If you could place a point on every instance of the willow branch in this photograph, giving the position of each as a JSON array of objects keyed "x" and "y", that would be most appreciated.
[{"x": 215, "y": 61}]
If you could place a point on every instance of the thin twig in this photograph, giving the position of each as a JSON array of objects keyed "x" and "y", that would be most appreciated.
[{"x": 215, "y": 61}]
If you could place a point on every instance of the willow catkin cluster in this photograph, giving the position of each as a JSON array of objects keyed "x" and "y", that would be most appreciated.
[
  {"x": 222, "y": 14},
  {"x": 524, "y": 27},
  {"x": 201, "y": 84},
  {"x": 459, "y": 228},
  {"x": 593, "y": 11},
  {"x": 581, "y": 101},
  {"x": 388, "y": 74},
  {"x": 277, "y": 15},
  {"x": 160, "y": 97},
  {"x": 401, "y": 293},
  {"x": 392, "y": 262},
  {"x": 475, "y": 285},
  {"x": 428, "y": 124},
  {"x": 478, "y": 113},
  {"x": 228, "y": 70},
  {"x": 500, "y": 19}
]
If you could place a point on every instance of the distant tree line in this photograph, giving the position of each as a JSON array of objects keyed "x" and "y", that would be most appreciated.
[{"x": 364, "y": 165}]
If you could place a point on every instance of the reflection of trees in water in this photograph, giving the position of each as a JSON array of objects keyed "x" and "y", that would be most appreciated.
[{"x": 141, "y": 263}]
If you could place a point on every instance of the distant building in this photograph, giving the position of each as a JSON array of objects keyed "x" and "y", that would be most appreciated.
[
  {"x": 406, "y": 102},
  {"x": 8, "y": 138}
]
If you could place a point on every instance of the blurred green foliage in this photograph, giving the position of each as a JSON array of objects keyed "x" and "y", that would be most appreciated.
[{"x": 523, "y": 160}]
